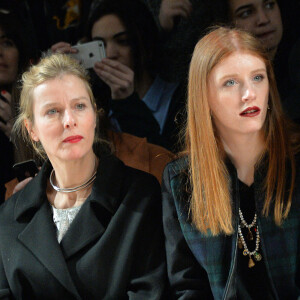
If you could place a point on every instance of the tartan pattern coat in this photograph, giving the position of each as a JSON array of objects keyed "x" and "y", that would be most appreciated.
[{"x": 202, "y": 266}]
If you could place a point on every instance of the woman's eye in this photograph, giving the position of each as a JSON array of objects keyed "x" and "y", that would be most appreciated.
[
  {"x": 80, "y": 106},
  {"x": 245, "y": 14},
  {"x": 123, "y": 42},
  {"x": 258, "y": 77},
  {"x": 270, "y": 5},
  {"x": 7, "y": 43},
  {"x": 230, "y": 82},
  {"x": 51, "y": 111}
]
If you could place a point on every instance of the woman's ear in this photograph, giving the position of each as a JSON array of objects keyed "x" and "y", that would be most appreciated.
[{"x": 31, "y": 131}]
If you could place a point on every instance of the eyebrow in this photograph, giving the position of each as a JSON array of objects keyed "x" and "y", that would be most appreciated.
[
  {"x": 51, "y": 103},
  {"x": 246, "y": 6},
  {"x": 114, "y": 36}
]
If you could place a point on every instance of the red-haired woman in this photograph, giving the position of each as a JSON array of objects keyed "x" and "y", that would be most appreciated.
[{"x": 231, "y": 204}]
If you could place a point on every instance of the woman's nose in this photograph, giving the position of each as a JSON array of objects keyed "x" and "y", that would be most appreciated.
[
  {"x": 69, "y": 119},
  {"x": 262, "y": 17},
  {"x": 248, "y": 93},
  {"x": 111, "y": 51}
]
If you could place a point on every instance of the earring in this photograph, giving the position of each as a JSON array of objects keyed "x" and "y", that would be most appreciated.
[{"x": 268, "y": 107}]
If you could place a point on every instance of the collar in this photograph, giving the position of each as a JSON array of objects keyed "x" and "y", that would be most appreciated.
[
  {"x": 155, "y": 93},
  {"x": 105, "y": 192}
]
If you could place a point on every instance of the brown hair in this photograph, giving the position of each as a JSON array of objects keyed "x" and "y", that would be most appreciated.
[
  {"x": 49, "y": 67},
  {"x": 210, "y": 204}
]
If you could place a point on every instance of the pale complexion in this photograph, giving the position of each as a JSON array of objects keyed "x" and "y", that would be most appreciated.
[
  {"x": 260, "y": 17},
  {"x": 238, "y": 98},
  {"x": 64, "y": 122}
]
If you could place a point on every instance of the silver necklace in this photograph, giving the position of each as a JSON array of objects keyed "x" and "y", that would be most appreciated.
[
  {"x": 75, "y": 188},
  {"x": 242, "y": 243}
]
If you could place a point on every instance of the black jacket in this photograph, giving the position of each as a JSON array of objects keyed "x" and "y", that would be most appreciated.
[{"x": 112, "y": 250}]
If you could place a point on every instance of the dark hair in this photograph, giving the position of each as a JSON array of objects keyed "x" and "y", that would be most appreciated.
[
  {"x": 13, "y": 29},
  {"x": 141, "y": 28}
]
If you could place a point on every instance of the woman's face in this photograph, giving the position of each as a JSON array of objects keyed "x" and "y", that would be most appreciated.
[
  {"x": 260, "y": 17},
  {"x": 9, "y": 60},
  {"x": 64, "y": 118},
  {"x": 238, "y": 91},
  {"x": 113, "y": 33}
]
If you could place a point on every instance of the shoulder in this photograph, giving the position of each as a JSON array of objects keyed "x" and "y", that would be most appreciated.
[{"x": 176, "y": 168}]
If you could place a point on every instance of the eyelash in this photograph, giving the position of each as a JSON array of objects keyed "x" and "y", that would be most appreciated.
[
  {"x": 261, "y": 77},
  {"x": 229, "y": 81}
]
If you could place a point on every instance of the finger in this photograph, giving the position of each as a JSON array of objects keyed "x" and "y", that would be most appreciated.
[
  {"x": 59, "y": 45},
  {"x": 123, "y": 74},
  {"x": 6, "y": 95},
  {"x": 112, "y": 80},
  {"x": 116, "y": 65},
  {"x": 5, "y": 110}
]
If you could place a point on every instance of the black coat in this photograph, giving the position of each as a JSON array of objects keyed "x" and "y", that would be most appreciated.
[{"x": 112, "y": 250}]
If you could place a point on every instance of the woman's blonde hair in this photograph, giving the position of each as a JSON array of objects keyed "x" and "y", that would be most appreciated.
[
  {"x": 50, "y": 67},
  {"x": 210, "y": 204}
]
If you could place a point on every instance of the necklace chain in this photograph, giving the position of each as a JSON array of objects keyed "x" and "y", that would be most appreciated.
[{"x": 257, "y": 256}]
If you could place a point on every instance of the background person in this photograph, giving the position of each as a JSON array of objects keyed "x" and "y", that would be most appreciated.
[
  {"x": 84, "y": 219},
  {"x": 231, "y": 204},
  {"x": 14, "y": 58},
  {"x": 139, "y": 101}
]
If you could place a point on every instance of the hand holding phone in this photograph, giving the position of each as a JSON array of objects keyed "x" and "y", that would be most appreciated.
[
  {"x": 25, "y": 169},
  {"x": 89, "y": 53}
]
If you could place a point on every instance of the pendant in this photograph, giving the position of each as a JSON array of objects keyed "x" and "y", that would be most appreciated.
[
  {"x": 240, "y": 244},
  {"x": 257, "y": 256},
  {"x": 245, "y": 252},
  {"x": 251, "y": 263},
  {"x": 250, "y": 236}
]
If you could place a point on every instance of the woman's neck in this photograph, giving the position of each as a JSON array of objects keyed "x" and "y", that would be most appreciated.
[
  {"x": 71, "y": 174},
  {"x": 244, "y": 151},
  {"x": 144, "y": 84}
]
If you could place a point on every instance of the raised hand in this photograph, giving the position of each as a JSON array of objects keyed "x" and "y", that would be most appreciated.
[
  {"x": 63, "y": 47},
  {"x": 117, "y": 76}
]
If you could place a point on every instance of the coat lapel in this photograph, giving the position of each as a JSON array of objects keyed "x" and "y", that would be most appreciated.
[
  {"x": 39, "y": 234},
  {"x": 95, "y": 214}
]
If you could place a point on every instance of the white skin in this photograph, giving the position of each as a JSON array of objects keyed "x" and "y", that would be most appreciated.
[
  {"x": 260, "y": 17},
  {"x": 9, "y": 60},
  {"x": 236, "y": 83},
  {"x": 116, "y": 70},
  {"x": 62, "y": 109},
  {"x": 170, "y": 9}
]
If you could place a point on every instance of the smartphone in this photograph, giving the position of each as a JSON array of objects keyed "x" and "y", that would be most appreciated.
[
  {"x": 25, "y": 169},
  {"x": 89, "y": 53}
]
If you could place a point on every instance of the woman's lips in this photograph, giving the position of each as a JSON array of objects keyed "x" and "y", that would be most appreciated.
[
  {"x": 265, "y": 34},
  {"x": 250, "y": 112},
  {"x": 73, "y": 139}
]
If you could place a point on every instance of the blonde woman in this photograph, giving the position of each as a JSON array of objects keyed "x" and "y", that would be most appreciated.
[
  {"x": 231, "y": 203},
  {"x": 87, "y": 226}
]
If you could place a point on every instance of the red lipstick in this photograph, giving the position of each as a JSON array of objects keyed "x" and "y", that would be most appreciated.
[
  {"x": 250, "y": 112},
  {"x": 73, "y": 139}
]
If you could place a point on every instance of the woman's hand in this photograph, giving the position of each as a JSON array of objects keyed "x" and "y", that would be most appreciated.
[
  {"x": 117, "y": 76},
  {"x": 63, "y": 47},
  {"x": 170, "y": 9},
  {"x": 6, "y": 116}
]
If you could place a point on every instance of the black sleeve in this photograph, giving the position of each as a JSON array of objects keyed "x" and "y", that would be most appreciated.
[
  {"x": 135, "y": 117},
  {"x": 149, "y": 281},
  {"x": 187, "y": 278}
]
